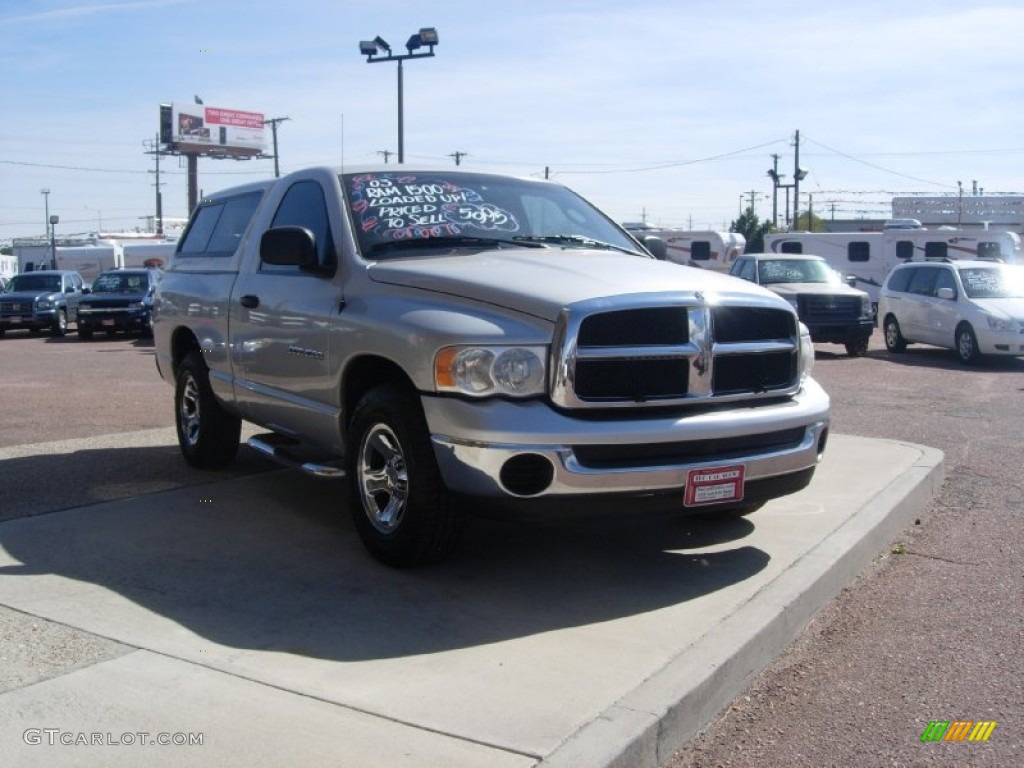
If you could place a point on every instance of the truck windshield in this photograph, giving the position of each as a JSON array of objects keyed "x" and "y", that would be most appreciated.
[
  {"x": 49, "y": 283},
  {"x": 400, "y": 213},
  {"x": 795, "y": 271},
  {"x": 115, "y": 282}
]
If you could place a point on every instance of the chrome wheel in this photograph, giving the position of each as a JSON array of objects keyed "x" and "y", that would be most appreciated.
[
  {"x": 383, "y": 478},
  {"x": 189, "y": 416}
]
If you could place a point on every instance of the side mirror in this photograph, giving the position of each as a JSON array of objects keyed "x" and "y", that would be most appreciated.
[
  {"x": 946, "y": 293},
  {"x": 289, "y": 247},
  {"x": 851, "y": 280},
  {"x": 656, "y": 247}
]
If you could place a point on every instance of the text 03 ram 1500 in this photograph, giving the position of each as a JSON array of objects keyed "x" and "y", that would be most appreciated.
[{"x": 474, "y": 342}]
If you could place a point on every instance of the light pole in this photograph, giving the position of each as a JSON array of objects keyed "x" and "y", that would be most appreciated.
[
  {"x": 53, "y": 240},
  {"x": 372, "y": 49},
  {"x": 46, "y": 216}
]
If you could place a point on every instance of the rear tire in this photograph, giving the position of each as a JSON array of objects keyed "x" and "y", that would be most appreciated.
[
  {"x": 400, "y": 505},
  {"x": 207, "y": 434},
  {"x": 894, "y": 340}
]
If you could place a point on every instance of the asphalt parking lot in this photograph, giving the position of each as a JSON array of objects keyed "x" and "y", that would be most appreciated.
[{"x": 927, "y": 634}]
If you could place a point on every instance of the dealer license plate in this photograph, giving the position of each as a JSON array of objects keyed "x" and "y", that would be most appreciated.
[
  {"x": 16, "y": 319},
  {"x": 714, "y": 485},
  {"x": 106, "y": 322}
]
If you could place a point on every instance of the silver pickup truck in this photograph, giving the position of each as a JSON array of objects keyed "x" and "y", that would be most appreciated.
[{"x": 459, "y": 342}]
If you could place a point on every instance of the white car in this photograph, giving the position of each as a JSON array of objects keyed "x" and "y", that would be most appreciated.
[{"x": 973, "y": 307}]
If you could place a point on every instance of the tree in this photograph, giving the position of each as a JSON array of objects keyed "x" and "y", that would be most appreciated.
[
  {"x": 753, "y": 229},
  {"x": 809, "y": 222}
]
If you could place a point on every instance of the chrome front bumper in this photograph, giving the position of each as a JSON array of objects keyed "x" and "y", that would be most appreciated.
[{"x": 473, "y": 443}]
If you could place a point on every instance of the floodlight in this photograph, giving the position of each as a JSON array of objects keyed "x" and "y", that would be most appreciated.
[
  {"x": 414, "y": 42},
  {"x": 382, "y": 44},
  {"x": 428, "y": 36},
  {"x": 367, "y": 47}
]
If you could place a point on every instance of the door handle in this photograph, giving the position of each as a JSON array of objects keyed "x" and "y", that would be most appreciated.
[{"x": 249, "y": 301}]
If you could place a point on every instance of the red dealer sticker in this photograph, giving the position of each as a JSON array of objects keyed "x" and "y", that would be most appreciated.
[{"x": 714, "y": 485}]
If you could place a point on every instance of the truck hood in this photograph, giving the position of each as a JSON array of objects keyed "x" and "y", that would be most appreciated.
[
  {"x": 540, "y": 282},
  {"x": 24, "y": 296},
  {"x": 806, "y": 289}
]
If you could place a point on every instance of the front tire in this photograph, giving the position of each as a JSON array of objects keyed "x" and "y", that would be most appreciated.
[
  {"x": 967, "y": 345},
  {"x": 207, "y": 434},
  {"x": 400, "y": 505},
  {"x": 857, "y": 348},
  {"x": 894, "y": 340},
  {"x": 60, "y": 323}
]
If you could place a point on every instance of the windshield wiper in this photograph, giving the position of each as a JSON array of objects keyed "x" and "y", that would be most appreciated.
[
  {"x": 454, "y": 241},
  {"x": 576, "y": 240}
]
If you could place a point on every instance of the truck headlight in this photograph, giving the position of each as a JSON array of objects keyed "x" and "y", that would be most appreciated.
[
  {"x": 488, "y": 371},
  {"x": 44, "y": 304},
  {"x": 867, "y": 312},
  {"x": 806, "y": 352}
]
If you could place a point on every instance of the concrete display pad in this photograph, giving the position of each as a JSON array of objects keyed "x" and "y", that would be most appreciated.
[{"x": 249, "y": 612}]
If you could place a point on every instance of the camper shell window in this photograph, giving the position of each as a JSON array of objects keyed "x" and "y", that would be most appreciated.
[{"x": 858, "y": 251}]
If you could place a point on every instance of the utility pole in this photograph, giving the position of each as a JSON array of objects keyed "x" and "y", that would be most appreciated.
[
  {"x": 458, "y": 157},
  {"x": 273, "y": 122},
  {"x": 156, "y": 152},
  {"x": 753, "y": 194},
  {"x": 774, "y": 173},
  {"x": 386, "y": 153},
  {"x": 796, "y": 179}
]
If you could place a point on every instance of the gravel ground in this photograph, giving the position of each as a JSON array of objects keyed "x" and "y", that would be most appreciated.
[{"x": 934, "y": 628}]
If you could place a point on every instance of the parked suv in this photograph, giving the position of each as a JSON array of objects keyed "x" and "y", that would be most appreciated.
[
  {"x": 834, "y": 312},
  {"x": 973, "y": 307},
  {"x": 38, "y": 300},
  {"x": 121, "y": 300}
]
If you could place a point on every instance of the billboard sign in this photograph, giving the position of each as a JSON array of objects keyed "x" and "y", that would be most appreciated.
[{"x": 196, "y": 128}]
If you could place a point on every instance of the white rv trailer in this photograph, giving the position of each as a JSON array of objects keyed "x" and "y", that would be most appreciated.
[
  {"x": 869, "y": 256},
  {"x": 696, "y": 248},
  {"x": 87, "y": 260},
  {"x": 156, "y": 254}
]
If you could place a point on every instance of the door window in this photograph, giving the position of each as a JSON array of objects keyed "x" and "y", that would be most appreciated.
[{"x": 304, "y": 205}]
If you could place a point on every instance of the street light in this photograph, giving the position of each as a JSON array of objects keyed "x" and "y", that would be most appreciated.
[
  {"x": 53, "y": 240},
  {"x": 374, "y": 49},
  {"x": 46, "y": 220}
]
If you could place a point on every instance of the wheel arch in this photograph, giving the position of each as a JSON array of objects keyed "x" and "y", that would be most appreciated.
[
  {"x": 183, "y": 342},
  {"x": 363, "y": 374}
]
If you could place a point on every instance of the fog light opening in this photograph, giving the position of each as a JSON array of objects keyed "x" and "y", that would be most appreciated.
[
  {"x": 527, "y": 474},
  {"x": 822, "y": 440}
]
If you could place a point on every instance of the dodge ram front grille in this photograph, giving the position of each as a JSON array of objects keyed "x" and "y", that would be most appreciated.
[{"x": 671, "y": 349}]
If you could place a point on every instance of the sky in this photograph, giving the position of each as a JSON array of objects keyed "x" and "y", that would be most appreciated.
[{"x": 667, "y": 111}]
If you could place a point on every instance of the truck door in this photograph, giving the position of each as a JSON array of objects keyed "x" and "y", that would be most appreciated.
[{"x": 281, "y": 319}]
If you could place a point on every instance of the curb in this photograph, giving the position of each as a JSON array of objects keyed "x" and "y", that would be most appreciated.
[{"x": 645, "y": 727}]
